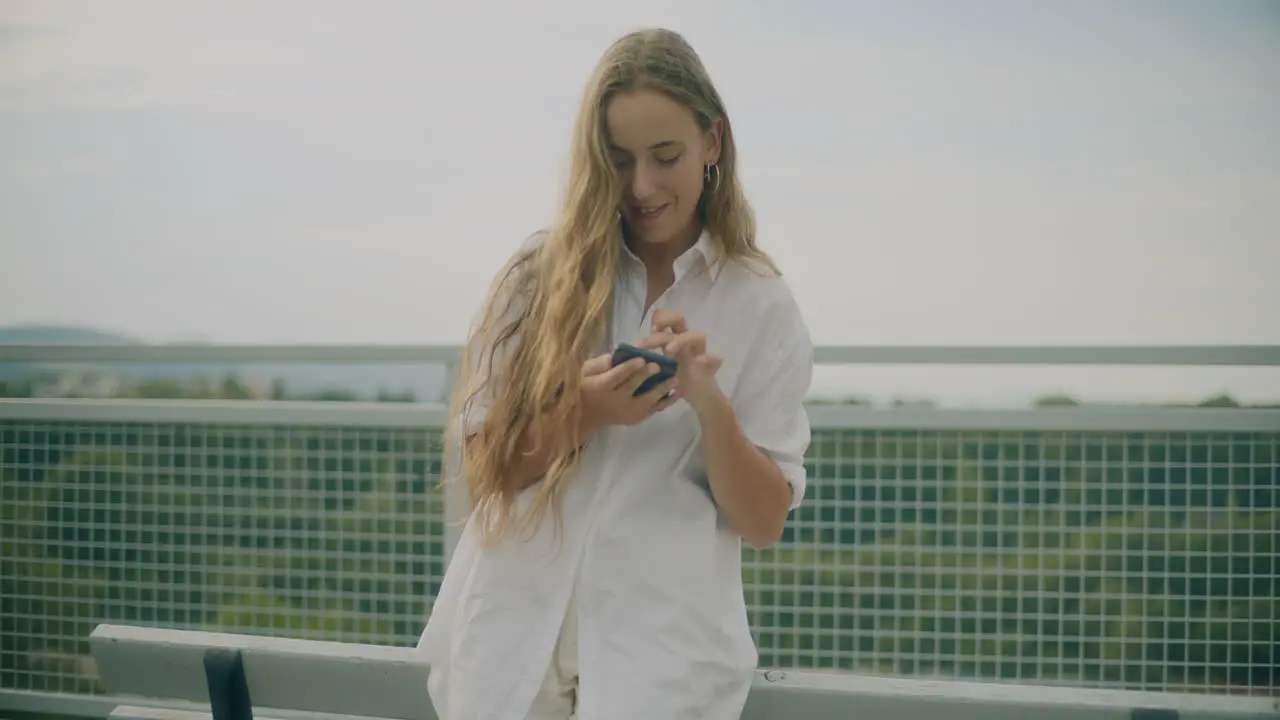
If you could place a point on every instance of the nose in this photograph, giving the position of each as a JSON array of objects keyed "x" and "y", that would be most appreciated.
[{"x": 644, "y": 181}]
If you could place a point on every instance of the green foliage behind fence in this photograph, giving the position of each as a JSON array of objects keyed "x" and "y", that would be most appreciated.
[{"x": 1133, "y": 559}]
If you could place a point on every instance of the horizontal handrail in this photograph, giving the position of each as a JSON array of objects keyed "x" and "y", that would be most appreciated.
[
  {"x": 212, "y": 354},
  {"x": 190, "y": 353},
  {"x": 828, "y": 417}
]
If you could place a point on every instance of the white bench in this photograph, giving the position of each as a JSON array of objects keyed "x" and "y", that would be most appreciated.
[
  {"x": 172, "y": 674},
  {"x": 183, "y": 666}
]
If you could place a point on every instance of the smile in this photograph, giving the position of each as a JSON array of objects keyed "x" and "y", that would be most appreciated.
[{"x": 648, "y": 214}]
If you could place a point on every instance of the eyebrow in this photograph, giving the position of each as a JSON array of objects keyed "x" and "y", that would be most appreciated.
[{"x": 655, "y": 146}]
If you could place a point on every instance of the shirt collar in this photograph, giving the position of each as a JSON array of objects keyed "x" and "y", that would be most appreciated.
[{"x": 704, "y": 249}]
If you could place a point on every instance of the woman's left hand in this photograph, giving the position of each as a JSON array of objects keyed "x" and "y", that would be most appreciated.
[{"x": 696, "y": 373}]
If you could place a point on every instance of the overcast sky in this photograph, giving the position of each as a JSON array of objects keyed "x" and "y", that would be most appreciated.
[{"x": 927, "y": 172}]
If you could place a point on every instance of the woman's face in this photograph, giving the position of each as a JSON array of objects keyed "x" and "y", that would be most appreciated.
[{"x": 660, "y": 154}]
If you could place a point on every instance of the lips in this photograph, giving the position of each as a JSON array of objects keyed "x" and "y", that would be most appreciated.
[{"x": 650, "y": 214}]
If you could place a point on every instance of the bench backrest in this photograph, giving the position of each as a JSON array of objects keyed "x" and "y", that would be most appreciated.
[
  {"x": 308, "y": 675},
  {"x": 391, "y": 682}
]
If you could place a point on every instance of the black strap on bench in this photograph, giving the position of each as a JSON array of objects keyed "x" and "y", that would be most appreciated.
[
  {"x": 1152, "y": 714},
  {"x": 228, "y": 690}
]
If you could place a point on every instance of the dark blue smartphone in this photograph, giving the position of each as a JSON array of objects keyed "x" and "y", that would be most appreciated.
[{"x": 666, "y": 365}]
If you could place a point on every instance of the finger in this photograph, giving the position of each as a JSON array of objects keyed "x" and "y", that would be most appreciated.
[
  {"x": 658, "y": 397},
  {"x": 597, "y": 365},
  {"x": 656, "y": 340},
  {"x": 664, "y": 394},
  {"x": 632, "y": 383},
  {"x": 688, "y": 344},
  {"x": 670, "y": 320},
  {"x": 622, "y": 373},
  {"x": 667, "y": 400},
  {"x": 656, "y": 393}
]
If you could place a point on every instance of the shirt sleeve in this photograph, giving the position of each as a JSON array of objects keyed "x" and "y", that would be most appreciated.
[{"x": 774, "y": 383}]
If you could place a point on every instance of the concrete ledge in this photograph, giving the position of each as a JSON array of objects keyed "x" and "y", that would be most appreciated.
[{"x": 837, "y": 695}]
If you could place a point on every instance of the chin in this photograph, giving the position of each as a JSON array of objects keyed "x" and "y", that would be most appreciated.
[
  {"x": 655, "y": 237},
  {"x": 658, "y": 235}
]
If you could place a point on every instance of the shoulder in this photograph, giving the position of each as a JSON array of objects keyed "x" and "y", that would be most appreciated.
[
  {"x": 512, "y": 287},
  {"x": 762, "y": 293},
  {"x": 526, "y": 254},
  {"x": 518, "y": 269},
  {"x": 535, "y": 241}
]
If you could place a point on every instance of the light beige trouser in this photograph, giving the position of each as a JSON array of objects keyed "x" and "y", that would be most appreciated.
[{"x": 557, "y": 699}]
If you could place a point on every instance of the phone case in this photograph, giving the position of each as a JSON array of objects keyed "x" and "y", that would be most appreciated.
[{"x": 666, "y": 366}]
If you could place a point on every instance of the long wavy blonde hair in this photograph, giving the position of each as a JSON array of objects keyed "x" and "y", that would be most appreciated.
[{"x": 548, "y": 310}]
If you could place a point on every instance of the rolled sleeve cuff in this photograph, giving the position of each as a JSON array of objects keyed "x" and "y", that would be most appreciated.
[{"x": 797, "y": 477}]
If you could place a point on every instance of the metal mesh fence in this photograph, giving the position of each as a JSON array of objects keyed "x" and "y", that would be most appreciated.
[
  {"x": 321, "y": 533},
  {"x": 1136, "y": 560},
  {"x": 1142, "y": 560}
]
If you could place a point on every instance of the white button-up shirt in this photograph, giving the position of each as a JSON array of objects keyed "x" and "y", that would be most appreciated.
[{"x": 654, "y": 570}]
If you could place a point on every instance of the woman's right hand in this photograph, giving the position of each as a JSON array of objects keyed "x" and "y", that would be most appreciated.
[{"x": 607, "y": 392}]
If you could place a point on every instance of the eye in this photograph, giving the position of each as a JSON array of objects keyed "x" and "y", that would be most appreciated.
[
  {"x": 621, "y": 163},
  {"x": 669, "y": 161}
]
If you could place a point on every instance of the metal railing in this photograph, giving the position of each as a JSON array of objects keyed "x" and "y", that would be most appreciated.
[{"x": 1125, "y": 548}]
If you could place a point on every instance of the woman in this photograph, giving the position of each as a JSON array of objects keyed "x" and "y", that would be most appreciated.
[{"x": 599, "y": 569}]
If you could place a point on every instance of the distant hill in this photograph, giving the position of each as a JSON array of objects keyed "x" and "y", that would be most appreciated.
[
  {"x": 424, "y": 382},
  {"x": 54, "y": 335}
]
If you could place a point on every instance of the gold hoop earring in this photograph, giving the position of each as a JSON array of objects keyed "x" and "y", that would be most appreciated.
[{"x": 711, "y": 175}]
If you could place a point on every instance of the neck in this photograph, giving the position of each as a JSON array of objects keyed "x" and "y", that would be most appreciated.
[{"x": 659, "y": 257}]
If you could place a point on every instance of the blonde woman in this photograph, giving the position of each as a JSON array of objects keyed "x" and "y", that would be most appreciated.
[{"x": 598, "y": 574}]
